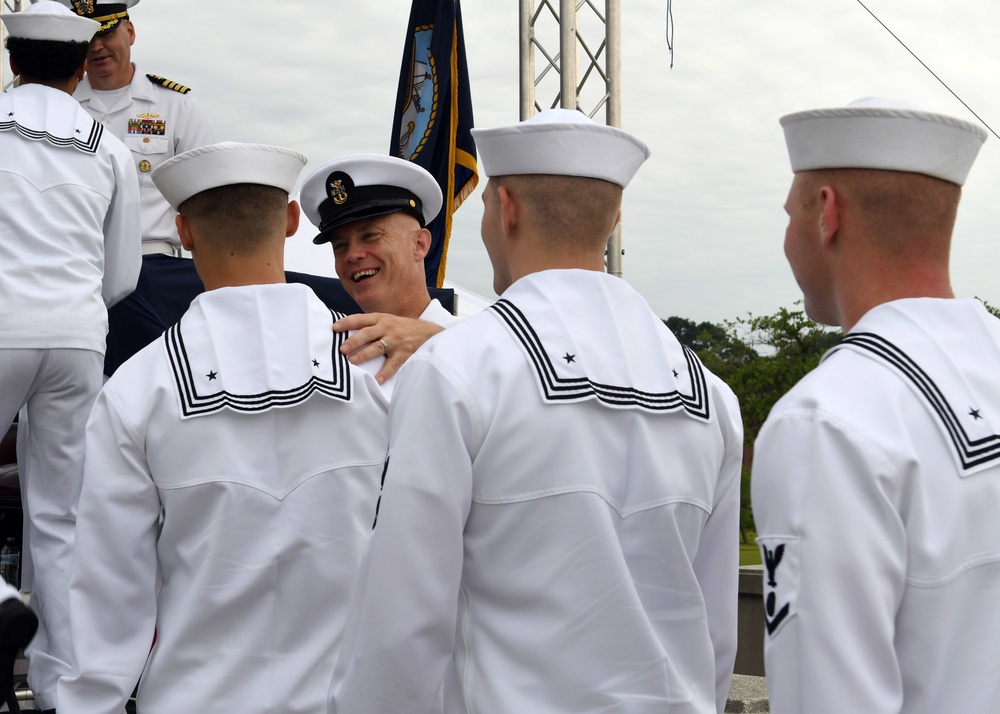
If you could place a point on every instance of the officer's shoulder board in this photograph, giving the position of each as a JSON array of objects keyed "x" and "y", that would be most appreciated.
[{"x": 167, "y": 83}]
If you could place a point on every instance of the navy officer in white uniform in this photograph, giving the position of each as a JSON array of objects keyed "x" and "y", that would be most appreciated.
[
  {"x": 155, "y": 117},
  {"x": 373, "y": 210},
  {"x": 558, "y": 527},
  {"x": 232, "y": 474},
  {"x": 876, "y": 479},
  {"x": 70, "y": 249}
]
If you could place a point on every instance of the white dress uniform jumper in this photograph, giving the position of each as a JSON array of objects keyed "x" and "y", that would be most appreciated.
[
  {"x": 234, "y": 472},
  {"x": 70, "y": 249},
  {"x": 892, "y": 605},
  {"x": 558, "y": 526}
]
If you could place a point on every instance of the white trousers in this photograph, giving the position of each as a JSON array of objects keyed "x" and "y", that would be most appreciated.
[{"x": 58, "y": 388}]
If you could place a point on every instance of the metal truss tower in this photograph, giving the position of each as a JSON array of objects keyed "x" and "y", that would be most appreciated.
[{"x": 558, "y": 30}]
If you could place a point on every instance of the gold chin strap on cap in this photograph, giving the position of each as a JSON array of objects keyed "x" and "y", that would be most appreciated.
[{"x": 109, "y": 20}]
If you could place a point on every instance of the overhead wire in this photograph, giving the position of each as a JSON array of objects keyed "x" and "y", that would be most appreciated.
[
  {"x": 670, "y": 31},
  {"x": 943, "y": 83}
]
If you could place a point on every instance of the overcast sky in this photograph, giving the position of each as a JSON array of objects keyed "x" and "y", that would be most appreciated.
[{"x": 703, "y": 223}]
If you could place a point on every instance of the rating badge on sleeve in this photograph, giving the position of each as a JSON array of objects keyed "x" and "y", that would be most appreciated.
[{"x": 781, "y": 580}]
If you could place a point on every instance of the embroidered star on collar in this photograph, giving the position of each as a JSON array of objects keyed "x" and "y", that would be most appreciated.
[
  {"x": 212, "y": 375},
  {"x": 315, "y": 363},
  {"x": 974, "y": 413},
  {"x": 569, "y": 358}
]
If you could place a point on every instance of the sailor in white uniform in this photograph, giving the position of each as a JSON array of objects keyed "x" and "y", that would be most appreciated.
[
  {"x": 559, "y": 520},
  {"x": 373, "y": 210},
  {"x": 70, "y": 249},
  {"x": 232, "y": 474},
  {"x": 876, "y": 479}
]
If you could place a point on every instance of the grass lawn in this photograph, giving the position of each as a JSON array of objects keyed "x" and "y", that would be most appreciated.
[{"x": 749, "y": 552}]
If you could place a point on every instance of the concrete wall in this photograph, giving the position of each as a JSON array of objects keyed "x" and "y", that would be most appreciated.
[
  {"x": 748, "y": 692},
  {"x": 750, "y": 652}
]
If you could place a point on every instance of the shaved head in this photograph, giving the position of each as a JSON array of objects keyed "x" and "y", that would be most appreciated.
[
  {"x": 568, "y": 209},
  {"x": 239, "y": 219},
  {"x": 906, "y": 214}
]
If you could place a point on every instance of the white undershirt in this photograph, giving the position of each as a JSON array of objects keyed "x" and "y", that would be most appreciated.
[{"x": 111, "y": 97}]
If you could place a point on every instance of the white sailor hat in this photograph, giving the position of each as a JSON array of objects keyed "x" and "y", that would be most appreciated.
[
  {"x": 48, "y": 20},
  {"x": 360, "y": 186},
  {"x": 887, "y": 134},
  {"x": 561, "y": 142},
  {"x": 109, "y": 13},
  {"x": 226, "y": 164}
]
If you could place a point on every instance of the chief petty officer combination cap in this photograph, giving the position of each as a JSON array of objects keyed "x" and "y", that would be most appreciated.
[
  {"x": 561, "y": 142},
  {"x": 108, "y": 14},
  {"x": 226, "y": 164},
  {"x": 48, "y": 20},
  {"x": 886, "y": 134},
  {"x": 360, "y": 186}
]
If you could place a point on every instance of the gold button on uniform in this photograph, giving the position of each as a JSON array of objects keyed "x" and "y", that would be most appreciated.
[{"x": 145, "y": 166}]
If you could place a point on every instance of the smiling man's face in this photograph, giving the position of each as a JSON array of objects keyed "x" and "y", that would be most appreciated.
[{"x": 380, "y": 261}]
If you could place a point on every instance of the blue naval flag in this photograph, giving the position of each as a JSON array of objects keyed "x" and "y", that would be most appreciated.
[{"x": 433, "y": 120}]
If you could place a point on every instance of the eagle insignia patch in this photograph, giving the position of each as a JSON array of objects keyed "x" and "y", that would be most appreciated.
[{"x": 781, "y": 580}]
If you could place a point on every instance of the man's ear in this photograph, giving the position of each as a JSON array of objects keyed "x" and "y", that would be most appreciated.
[
  {"x": 829, "y": 216},
  {"x": 422, "y": 244},
  {"x": 508, "y": 210},
  {"x": 184, "y": 231},
  {"x": 292, "y": 218}
]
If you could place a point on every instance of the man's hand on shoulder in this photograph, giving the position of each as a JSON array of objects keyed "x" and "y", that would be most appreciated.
[{"x": 382, "y": 334}]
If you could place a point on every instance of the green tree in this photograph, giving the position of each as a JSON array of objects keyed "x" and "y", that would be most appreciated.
[
  {"x": 788, "y": 346},
  {"x": 760, "y": 358},
  {"x": 995, "y": 311},
  {"x": 720, "y": 349}
]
